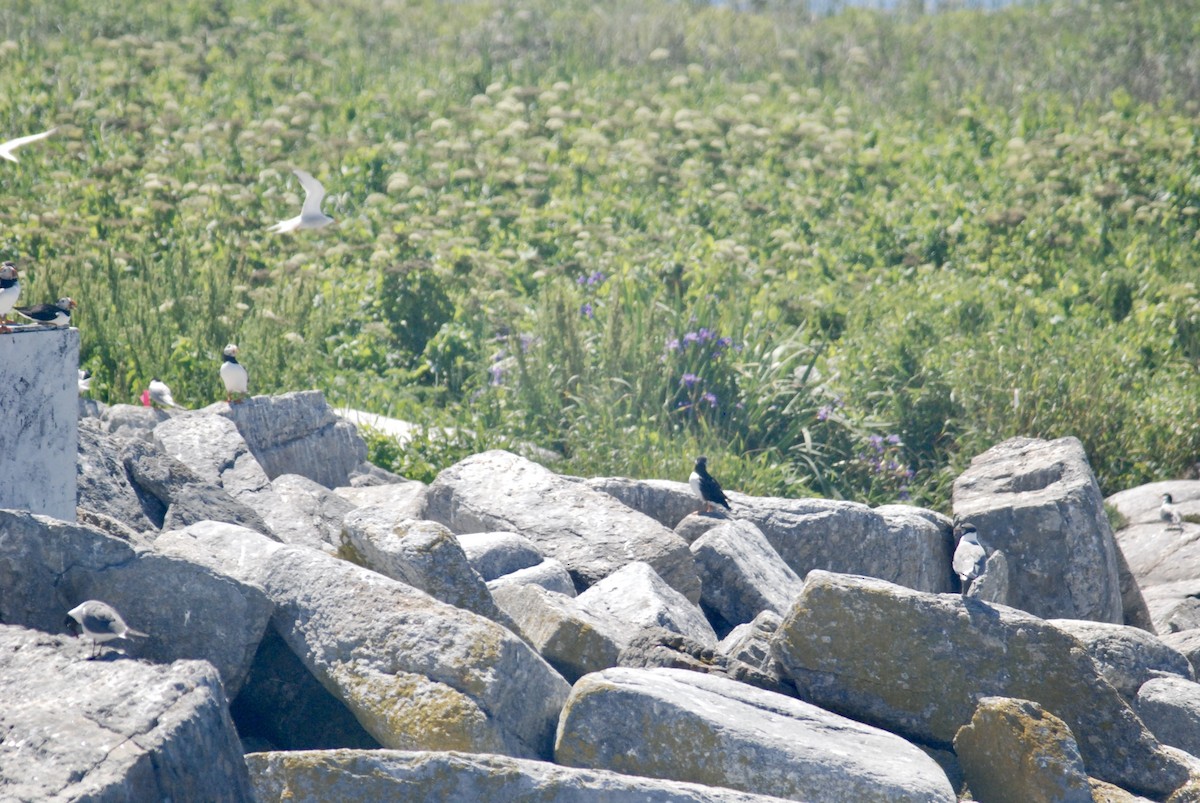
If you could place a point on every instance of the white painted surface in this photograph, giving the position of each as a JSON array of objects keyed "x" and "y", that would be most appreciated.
[{"x": 39, "y": 427}]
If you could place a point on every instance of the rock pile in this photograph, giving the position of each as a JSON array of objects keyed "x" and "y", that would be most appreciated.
[{"x": 321, "y": 630}]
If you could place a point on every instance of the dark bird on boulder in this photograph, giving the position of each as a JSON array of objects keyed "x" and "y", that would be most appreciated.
[
  {"x": 969, "y": 556},
  {"x": 100, "y": 622},
  {"x": 706, "y": 487},
  {"x": 56, "y": 314}
]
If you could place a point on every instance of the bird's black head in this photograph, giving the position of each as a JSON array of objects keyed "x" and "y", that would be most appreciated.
[
  {"x": 965, "y": 528},
  {"x": 702, "y": 461},
  {"x": 1168, "y": 499},
  {"x": 71, "y": 625}
]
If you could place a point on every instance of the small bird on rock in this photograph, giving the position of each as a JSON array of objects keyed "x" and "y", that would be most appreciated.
[
  {"x": 233, "y": 374},
  {"x": 705, "y": 487},
  {"x": 10, "y": 291},
  {"x": 100, "y": 622},
  {"x": 56, "y": 314},
  {"x": 969, "y": 556},
  {"x": 160, "y": 394},
  {"x": 311, "y": 216},
  {"x": 1169, "y": 513},
  {"x": 85, "y": 381},
  {"x": 7, "y": 148}
]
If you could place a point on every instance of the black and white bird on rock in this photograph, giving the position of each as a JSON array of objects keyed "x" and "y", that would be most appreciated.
[
  {"x": 970, "y": 558},
  {"x": 100, "y": 622},
  {"x": 56, "y": 314},
  {"x": 1169, "y": 513},
  {"x": 706, "y": 487}
]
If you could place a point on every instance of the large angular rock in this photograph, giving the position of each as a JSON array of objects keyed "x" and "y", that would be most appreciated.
[
  {"x": 298, "y": 433},
  {"x": 405, "y": 499},
  {"x": 48, "y": 567},
  {"x": 417, "y": 673},
  {"x": 214, "y": 450},
  {"x": 1126, "y": 656},
  {"x": 637, "y": 596},
  {"x": 903, "y": 545},
  {"x": 549, "y": 574},
  {"x": 497, "y": 554},
  {"x": 838, "y": 646},
  {"x": 750, "y": 643},
  {"x": 132, "y": 420},
  {"x": 1170, "y": 707},
  {"x": 102, "y": 485},
  {"x": 1039, "y": 503},
  {"x": 112, "y": 730},
  {"x": 670, "y": 723},
  {"x": 573, "y": 640},
  {"x": 304, "y": 513},
  {"x": 321, "y": 776},
  {"x": 1016, "y": 750},
  {"x": 186, "y": 498},
  {"x": 1174, "y": 607},
  {"x": 1186, "y": 643},
  {"x": 590, "y": 532},
  {"x": 657, "y": 647},
  {"x": 666, "y": 501},
  {"x": 743, "y": 573},
  {"x": 423, "y": 554}
]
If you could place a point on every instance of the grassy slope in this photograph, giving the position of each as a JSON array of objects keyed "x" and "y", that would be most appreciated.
[{"x": 947, "y": 229}]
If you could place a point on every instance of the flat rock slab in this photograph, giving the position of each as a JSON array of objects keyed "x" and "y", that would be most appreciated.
[
  {"x": 573, "y": 640},
  {"x": 497, "y": 554},
  {"x": 743, "y": 573},
  {"x": 48, "y": 567},
  {"x": 448, "y": 777},
  {"x": 1127, "y": 656},
  {"x": 666, "y": 501},
  {"x": 304, "y": 513},
  {"x": 406, "y": 499},
  {"x": 839, "y": 645},
  {"x": 636, "y": 596},
  {"x": 417, "y": 673},
  {"x": 590, "y": 532},
  {"x": 672, "y": 723},
  {"x": 1039, "y": 503},
  {"x": 1170, "y": 707},
  {"x": 78, "y": 729},
  {"x": 549, "y": 574}
]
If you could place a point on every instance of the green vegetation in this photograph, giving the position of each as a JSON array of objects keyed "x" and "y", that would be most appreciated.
[{"x": 840, "y": 255}]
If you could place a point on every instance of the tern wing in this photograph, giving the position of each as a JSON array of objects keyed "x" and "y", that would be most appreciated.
[
  {"x": 314, "y": 193},
  {"x": 6, "y": 148}
]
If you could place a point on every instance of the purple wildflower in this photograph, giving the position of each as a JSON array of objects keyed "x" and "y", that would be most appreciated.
[
  {"x": 710, "y": 397},
  {"x": 691, "y": 337},
  {"x": 823, "y": 413},
  {"x": 876, "y": 442},
  {"x": 497, "y": 372},
  {"x": 893, "y": 439},
  {"x": 587, "y": 310},
  {"x": 688, "y": 380},
  {"x": 673, "y": 344}
]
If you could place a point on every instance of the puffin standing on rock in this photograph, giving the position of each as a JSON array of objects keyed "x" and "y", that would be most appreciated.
[
  {"x": 233, "y": 374},
  {"x": 10, "y": 291},
  {"x": 706, "y": 487}
]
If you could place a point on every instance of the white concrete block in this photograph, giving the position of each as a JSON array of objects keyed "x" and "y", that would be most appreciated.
[{"x": 39, "y": 426}]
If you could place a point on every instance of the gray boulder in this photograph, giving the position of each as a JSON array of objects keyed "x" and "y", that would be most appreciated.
[
  {"x": 1170, "y": 707},
  {"x": 638, "y": 597},
  {"x": 1016, "y": 750},
  {"x": 549, "y": 574},
  {"x": 497, "y": 554},
  {"x": 48, "y": 567},
  {"x": 1187, "y": 643},
  {"x": 298, "y": 433},
  {"x": 694, "y": 525},
  {"x": 658, "y": 647},
  {"x": 423, "y": 554},
  {"x": 112, "y": 730},
  {"x": 1174, "y": 606},
  {"x": 214, "y": 450},
  {"x": 670, "y": 723},
  {"x": 1039, "y": 503},
  {"x": 1127, "y": 657},
  {"x": 103, "y": 486},
  {"x": 666, "y": 501},
  {"x": 304, "y": 513},
  {"x": 838, "y": 645},
  {"x": 132, "y": 420},
  {"x": 417, "y": 673},
  {"x": 574, "y": 641},
  {"x": 743, "y": 574},
  {"x": 750, "y": 643},
  {"x": 590, "y": 532},
  {"x": 405, "y": 499},
  {"x": 318, "y": 777}
]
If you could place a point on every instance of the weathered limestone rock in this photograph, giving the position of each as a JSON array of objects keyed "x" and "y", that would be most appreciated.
[
  {"x": 694, "y": 525},
  {"x": 574, "y": 641},
  {"x": 1016, "y": 750},
  {"x": 48, "y": 567},
  {"x": 743, "y": 574},
  {"x": 1187, "y": 643},
  {"x": 1140, "y": 505},
  {"x": 112, "y": 730},
  {"x": 497, "y": 554},
  {"x": 1039, "y": 503},
  {"x": 212, "y": 447},
  {"x": 659, "y": 647},
  {"x": 637, "y": 596},
  {"x": 839, "y": 646},
  {"x": 549, "y": 574},
  {"x": 671, "y": 723},
  {"x": 590, "y": 532},
  {"x": 1174, "y": 606},
  {"x": 132, "y": 421},
  {"x": 304, "y": 513},
  {"x": 185, "y": 497},
  {"x": 665, "y": 501},
  {"x": 750, "y": 643},
  {"x": 318, "y": 777},
  {"x": 423, "y": 554},
  {"x": 298, "y": 433},
  {"x": 1170, "y": 707},
  {"x": 1126, "y": 656},
  {"x": 992, "y": 585},
  {"x": 903, "y": 545},
  {"x": 405, "y": 499},
  {"x": 104, "y": 487},
  {"x": 416, "y": 673}
]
